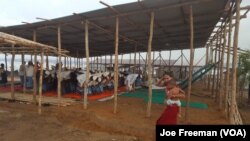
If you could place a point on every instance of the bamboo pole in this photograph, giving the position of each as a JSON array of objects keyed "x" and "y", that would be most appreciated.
[
  {"x": 207, "y": 62},
  {"x": 105, "y": 62},
  {"x": 64, "y": 61},
  {"x": 221, "y": 88},
  {"x": 122, "y": 59},
  {"x": 169, "y": 61},
  {"x": 191, "y": 63},
  {"x": 34, "y": 71},
  {"x": 5, "y": 57},
  {"x": 70, "y": 63},
  {"x": 135, "y": 58},
  {"x": 47, "y": 61},
  {"x": 60, "y": 66},
  {"x": 40, "y": 85},
  {"x": 24, "y": 76},
  {"x": 218, "y": 69},
  {"x": 233, "y": 105},
  {"x": 210, "y": 72},
  {"x": 153, "y": 64},
  {"x": 150, "y": 65},
  {"x": 215, "y": 61},
  {"x": 12, "y": 74},
  {"x": 181, "y": 64},
  {"x": 116, "y": 63},
  {"x": 85, "y": 98},
  {"x": 228, "y": 65}
]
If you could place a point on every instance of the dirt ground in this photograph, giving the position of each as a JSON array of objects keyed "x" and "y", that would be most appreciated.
[{"x": 20, "y": 122}]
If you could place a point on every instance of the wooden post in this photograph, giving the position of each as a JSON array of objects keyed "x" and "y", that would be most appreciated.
[
  {"x": 150, "y": 65},
  {"x": 60, "y": 66},
  {"x": 40, "y": 85},
  {"x": 34, "y": 71},
  {"x": 233, "y": 105},
  {"x": 12, "y": 74},
  {"x": 221, "y": 88},
  {"x": 85, "y": 98},
  {"x": 191, "y": 63},
  {"x": 97, "y": 62},
  {"x": 116, "y": 63},
  {"x": 228, "y": 65}
]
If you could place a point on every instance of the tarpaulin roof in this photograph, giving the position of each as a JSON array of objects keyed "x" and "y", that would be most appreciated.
[{"x": 171, "y": 29}]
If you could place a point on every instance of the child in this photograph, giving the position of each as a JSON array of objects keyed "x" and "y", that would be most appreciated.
[{"x": 173, "y": 94}]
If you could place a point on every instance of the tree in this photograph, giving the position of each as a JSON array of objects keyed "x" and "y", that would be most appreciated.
[{"x": 244, "y": 71}]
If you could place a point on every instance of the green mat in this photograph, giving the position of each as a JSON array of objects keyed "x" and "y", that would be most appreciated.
[{"x": 159, "y": 96}]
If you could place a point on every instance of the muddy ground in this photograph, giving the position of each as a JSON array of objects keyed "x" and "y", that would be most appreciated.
[{"x": 21, "y": 122}]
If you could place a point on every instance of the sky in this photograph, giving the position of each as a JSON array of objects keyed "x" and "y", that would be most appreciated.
[{"x": 14, "y": 12}]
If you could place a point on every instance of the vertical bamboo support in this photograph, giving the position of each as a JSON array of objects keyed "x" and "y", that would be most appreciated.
[
  {"x": 206, "y": 63},
  {"x": 6, "y": 65},
  {"x": 153, "y": 64},
  {"x": 135, "y": 59},
  {"x": 169, "y": 61},
  {"x": 64, "y": 61},
  {"x": 34, "y": 71},
  {"x": 12, "y": 73},
  {"x": 181, "y": 64},
  {"x": 139, "y": 60},
  {"x": 70, "y": 63},
  {"x": 215, "y": 61},
  {"x": 228, "y": 64},
  {"x": 47, "y": 61},
  {"x": 122, "y": 59},
  {"x": 85, "y": 98},
  {"x": 210, "y": 72},
  {"x": 111, "y": 60},
  {"x": 233, "y": 105},
  {"x": 221, "y": 88},
  {"x": 129, "y": 60},
  {"x": 40, "y": 85},
  {"x": 150, "y": 64},
  {"x": 34, "y": 80},
  {"x": 60, "y": 66},
  {"x": 105, "y": 62},
  {"x": 24, "y": 76},
  {"x": 191, "y": 63},
  {"x": 218, "y": 68},
  {"x": 116, "y": 62}
]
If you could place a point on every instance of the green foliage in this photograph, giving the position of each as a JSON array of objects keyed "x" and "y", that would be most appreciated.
[{"x": 244, "y": 66}]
